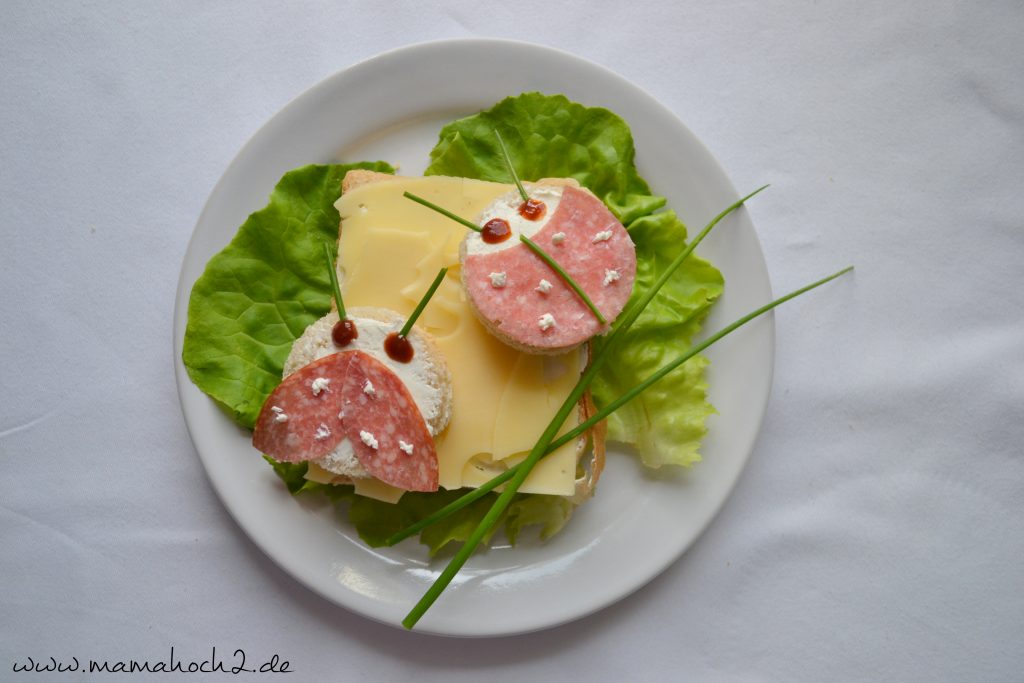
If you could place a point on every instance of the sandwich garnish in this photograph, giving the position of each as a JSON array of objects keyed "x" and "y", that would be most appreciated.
[
  {"x": 563, "y": 230},
  {"x": 533, "y": 210},
  {"x": 341, "y": 408},
  {"x": 396, "y": 344},
  {"x": 497, "y": 280},
  {"x": 344, "y": 331}
]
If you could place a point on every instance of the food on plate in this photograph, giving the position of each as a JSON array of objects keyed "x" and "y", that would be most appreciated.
[
  {"x": 425, "y": 371},
  {"x": 318, "y": 429},
  {"x": 510, "y": 427},
  {"x": 386, "y": 430},
  {"x": 519, "y": 297},
  {"x": 259, "y": 295}
]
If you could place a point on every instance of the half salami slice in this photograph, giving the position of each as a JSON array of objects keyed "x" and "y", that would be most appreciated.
[
  {"x": 387, "y": 431},
  {"x": 525, "y": 302},
  {"x": 300, "y": 419}
]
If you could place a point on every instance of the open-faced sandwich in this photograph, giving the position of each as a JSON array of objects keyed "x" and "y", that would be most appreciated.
[
  {"x": 504, "y": 339},
  {"x": 519, "y": 296},
  {"x": 473, "y": 334},
  {"x": 356, "y": 413}
]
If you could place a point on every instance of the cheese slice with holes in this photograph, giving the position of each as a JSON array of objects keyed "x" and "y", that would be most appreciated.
[{"x": 389, "y": 252}]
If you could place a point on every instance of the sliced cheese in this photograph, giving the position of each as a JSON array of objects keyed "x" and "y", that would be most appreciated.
[
  {"x": 375, "y": 488},
  {"x": 365, "y": 486},
  {"x": 390, "y": 250}
]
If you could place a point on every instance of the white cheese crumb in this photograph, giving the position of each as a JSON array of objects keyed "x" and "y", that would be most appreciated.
[
  {"x": 558, "y": 238},
  {"x": 322, "y": 432},
  {"x": 368, "y": 387},
  {"x": 319, "y": 384},
  {"x": 602, "y": 236},
  {"x": 498, "y": 280},
  {"x": 407, "y": 447},
  {"x": 368, "y": 439},
  {"x": 279, "y": 414},
  {"x": 546, "y": 321},
  {"x": 610, "y": 276},
  {"x": 544, "y": 287}
]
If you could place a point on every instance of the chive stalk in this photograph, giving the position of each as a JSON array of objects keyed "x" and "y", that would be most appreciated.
[
  {"x": 511, "y": 168},
  {"x": 444, "y": 212},
  {"x": 423, "y": 303},
  {"x": 621, "y": 325},
  {"x": 546, "y": 258},
  {"x": 334, "y": 283},
  {"x": 540, "y": 448}
]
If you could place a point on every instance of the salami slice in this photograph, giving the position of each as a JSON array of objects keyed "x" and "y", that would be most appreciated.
[
  {"x": 300, "y": 419},
  {"x": 525, "y": 302},
  {"x": 386, "y": 429}
]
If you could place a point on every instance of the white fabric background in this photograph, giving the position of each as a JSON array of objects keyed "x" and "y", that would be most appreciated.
[{"x": 877, "y": 532}]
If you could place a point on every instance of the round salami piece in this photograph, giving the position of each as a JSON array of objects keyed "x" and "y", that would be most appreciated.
[
  {"x": 388, "y": 434},
  {"x": 300, "y": 420},
  {"x": 525, "y": 302}
]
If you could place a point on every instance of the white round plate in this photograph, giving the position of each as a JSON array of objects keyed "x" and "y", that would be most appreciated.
[{"x": 391, "y": 107}]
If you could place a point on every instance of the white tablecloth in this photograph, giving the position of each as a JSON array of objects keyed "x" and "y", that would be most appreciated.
[{"x": 875, "y": 535}]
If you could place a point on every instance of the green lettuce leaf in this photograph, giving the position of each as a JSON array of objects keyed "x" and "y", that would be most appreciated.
[
  {"x": 293, "y": 474},
  {"x": 549, "y": 512},
  {"x": 376, "y": 521},
  {"x": 549, "y": 136},
  {"x": 260, "y": 292}
]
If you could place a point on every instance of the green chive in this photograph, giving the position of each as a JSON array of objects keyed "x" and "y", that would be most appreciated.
[
  {"x": 334, "y": 283},
  {"x": 423, "y": 302},
  {"x": 430, "y": 205},
  {"x": 564, "y": 275},
  {"x": 621, "y": 325},
  {"x": 511, "y": 168},
  {"x": 528, "y": 242}
]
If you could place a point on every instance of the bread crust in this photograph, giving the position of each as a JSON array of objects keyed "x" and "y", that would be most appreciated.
[{"x": 359, "y": 177}]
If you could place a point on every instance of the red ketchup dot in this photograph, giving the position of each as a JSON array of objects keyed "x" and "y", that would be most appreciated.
[
  {"x": 343, "y": 332},
  {"x": 496, "y": 230},
  {"x": 398, "y": 348},
  {"x": 533, "y": 209}
]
